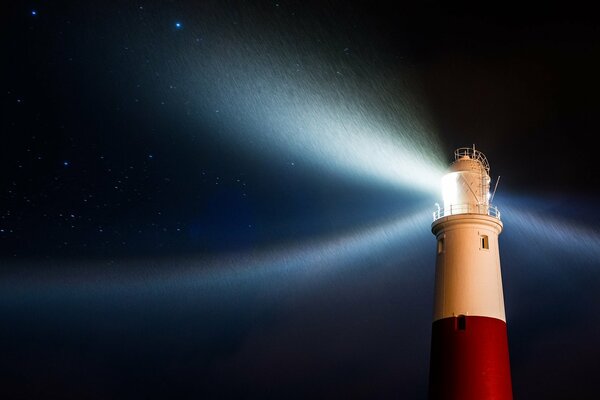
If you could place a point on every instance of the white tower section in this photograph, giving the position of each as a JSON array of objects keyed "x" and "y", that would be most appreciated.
[
  {"x": 469, "y": 342},
  {"x": 468, "y": 280}
]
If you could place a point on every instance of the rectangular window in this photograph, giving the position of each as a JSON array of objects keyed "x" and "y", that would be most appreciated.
[
  {"x": 440, "y": 245},
  {"x": 485, "y": 242},
  {"x": 461, "y": 323}
]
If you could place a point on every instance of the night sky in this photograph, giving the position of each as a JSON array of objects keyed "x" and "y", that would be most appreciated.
[{"x": 233, "y": 199}]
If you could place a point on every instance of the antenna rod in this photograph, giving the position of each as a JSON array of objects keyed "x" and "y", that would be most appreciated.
[{"x": 495, "y": 187}]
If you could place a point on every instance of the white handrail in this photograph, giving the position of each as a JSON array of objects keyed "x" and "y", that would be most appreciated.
[{"x": 454, "y": 209}]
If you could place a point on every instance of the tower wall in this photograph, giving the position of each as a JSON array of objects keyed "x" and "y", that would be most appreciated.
[
  {"x": 467, "y": 274},
  {"x": 469, "y": 345},
  {"x": 470, "y": 363}
]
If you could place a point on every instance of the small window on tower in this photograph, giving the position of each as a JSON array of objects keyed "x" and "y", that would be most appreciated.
[
  {"x": 485, "y": 242},
  {"x": 461, "y": 323},
  {"x": 440, "y": 246}
]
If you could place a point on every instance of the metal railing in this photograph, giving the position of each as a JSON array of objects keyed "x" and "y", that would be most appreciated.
[
  {"x": 472, "y": 154},
  {"x": 453, "y": 209}
]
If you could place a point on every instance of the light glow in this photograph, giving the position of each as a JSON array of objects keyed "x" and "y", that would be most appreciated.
[
  {"x": 323, "y": 113},
  {"x": 556, "y": 234},
  {"x": 307, "y": 262},
  {"x": 450, "y": 190}
]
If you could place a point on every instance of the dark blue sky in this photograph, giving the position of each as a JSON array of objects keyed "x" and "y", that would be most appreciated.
[{"x": 210, "y": 200}]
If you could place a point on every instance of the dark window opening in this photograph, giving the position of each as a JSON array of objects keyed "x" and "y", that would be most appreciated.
[
  {"x": 440, "y": 245},
  {"x": 461, "y": 323},
  {"x": 485, "y": 242}
]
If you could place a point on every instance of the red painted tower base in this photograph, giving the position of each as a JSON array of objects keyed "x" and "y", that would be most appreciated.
[{"x": 469, "y": 359}]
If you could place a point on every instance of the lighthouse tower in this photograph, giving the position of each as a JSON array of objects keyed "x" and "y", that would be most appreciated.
[{"x": 469, "y": 347}]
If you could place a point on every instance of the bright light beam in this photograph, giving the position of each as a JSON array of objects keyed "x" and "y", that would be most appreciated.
[
  {"x": 543, "y": 231},
  {"x": 351, "y": 115},
  {"x": 304, "y": 262}
]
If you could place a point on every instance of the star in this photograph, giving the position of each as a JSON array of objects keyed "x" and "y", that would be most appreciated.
[
  {"x": 178, "y": 25},
  {"x": 33, "y": 12}
]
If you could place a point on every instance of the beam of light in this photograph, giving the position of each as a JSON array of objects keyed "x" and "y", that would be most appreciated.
[
  {"x": 330, "y": 127},
  {"x": 330, "y": 255},
  {"x": 274, "y": 95},
  {"x": 542, "y": 233},
  {"x": 338, "y": 136},
  {"x": 305, "y": 262}
]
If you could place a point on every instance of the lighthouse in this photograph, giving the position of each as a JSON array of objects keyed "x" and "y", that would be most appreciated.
[{"x": 469, "y": 346}]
